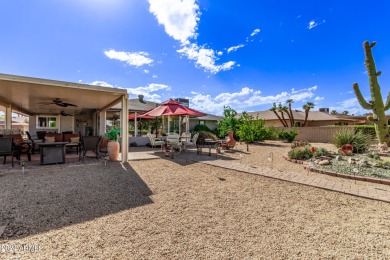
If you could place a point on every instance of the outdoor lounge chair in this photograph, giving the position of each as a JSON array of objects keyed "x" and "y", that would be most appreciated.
[
  {"x": 90, "y": 143},
  {"x": 155, "y": 141},
  {"x": 34, "y": 142},
  {"x": 229, "y": 142},
  {"x": 192, "y": 142},
  {"x": 6, "y": 149},
  {"x": 174, "y": 141}
]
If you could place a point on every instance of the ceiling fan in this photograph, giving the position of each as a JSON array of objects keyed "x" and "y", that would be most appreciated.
[
  {"x": 59, "y": 102},
  {"x": 63, "y": 113}
]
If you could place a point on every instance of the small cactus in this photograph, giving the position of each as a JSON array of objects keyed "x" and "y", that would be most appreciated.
[{"x": 376, "y": 102}]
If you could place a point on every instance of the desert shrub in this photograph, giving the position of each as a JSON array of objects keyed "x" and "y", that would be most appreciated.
[
  {"x": 199, "y": 128},
  {"x": 206, "y": 135},
  {"x": 373, "y": 155},
  {"x": 359, "y": 140},
  {"x": 300, "y": 153},
  {"x": 321, "y": 152},
  {"x": 288, "y": 136}
]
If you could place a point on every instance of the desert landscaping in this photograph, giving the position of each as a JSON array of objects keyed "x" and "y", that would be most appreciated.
[{"x": 173, "y": 209}]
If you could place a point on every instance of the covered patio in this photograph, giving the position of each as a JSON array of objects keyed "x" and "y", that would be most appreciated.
[{"x": 79, "y": 107}]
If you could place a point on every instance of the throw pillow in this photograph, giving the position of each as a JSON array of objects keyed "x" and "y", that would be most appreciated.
[
  {"x": 75, "y": 139},
  {"x": 50, "y": 139}
]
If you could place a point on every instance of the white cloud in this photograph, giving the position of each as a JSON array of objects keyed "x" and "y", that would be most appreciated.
[
  {"x": 204, "y": 58},
  {"x": 234, "y": 48},
  {"x": 351, "y": 105},
  {"x": 219, "y": 53},
  {"x": 154, "y": 76},
  {"x": 146, "y": 71},
  {"x": 136, "y": 59},
  {"x": 256, "y": 31},
  {"x": 179, "y": 17},
  {"x": 312, "y": 24},
  {"x": 149, "y": 91},
  {"x": 244, "y": 99},
  {"x": 318, "y": 98},
  {"x": 101, "y": 84}
]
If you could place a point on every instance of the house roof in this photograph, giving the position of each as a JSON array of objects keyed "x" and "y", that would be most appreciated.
[
  {"x": 299, "y": 116},
  {"x": 137, "y": 105},
  {"x": 208, "y": 117},
  {"x": 35, "y": 96}
]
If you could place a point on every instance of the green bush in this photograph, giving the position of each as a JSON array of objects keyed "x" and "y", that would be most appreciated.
[
  {"x": 205, "y": 135},
  {"x": 359, "y": 140},
  {"x": 288, "y": 136},
  {"x": 373, "y": 155},
  {"x": 300, "y": 153},
  {"x": 366, "y": 129},
  {"x": 199, "y": 128},
  {"x": 321, "y": 152}
]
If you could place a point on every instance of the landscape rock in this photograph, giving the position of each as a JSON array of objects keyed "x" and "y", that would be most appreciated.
[{"x": 324, "y": 162}]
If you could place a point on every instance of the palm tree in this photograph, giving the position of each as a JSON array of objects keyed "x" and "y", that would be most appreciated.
[
  {"x": 289, "y": 102},
  {"x": 274, "y": 109},
  {"x": 281, "y": 110},
  {"x": 333, "y": 112},
  {"x": 307, "y": 108}
]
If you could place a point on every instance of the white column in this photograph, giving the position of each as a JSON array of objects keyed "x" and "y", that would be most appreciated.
[
  {"x": 125, "y": 129},
  {"x": 135, "y": 124},
  {"x": 102, "y": 122},
  {"x": 8, "y": 117}
]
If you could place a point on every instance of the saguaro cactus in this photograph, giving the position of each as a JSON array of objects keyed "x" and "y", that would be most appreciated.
[{"x": 376, "y": 102}]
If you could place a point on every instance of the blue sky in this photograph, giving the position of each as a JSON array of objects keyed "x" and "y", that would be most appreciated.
[{"x": 246, "y": 54}]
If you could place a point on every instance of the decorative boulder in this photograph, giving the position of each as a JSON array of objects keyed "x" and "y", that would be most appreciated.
[{"x": 324, "y": 162}]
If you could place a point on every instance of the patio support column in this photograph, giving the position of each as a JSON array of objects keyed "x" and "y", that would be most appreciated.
[
  {"x": 187, "y": 123},
  {"x": 102, "y": 122},
  {"x": 169, "y": 124},
  {"x": 125, "y": 128},
  {"x": 135, "y": 124},
  {"x": 8, "y": 117},
  {"x": 180, "y": 125}
]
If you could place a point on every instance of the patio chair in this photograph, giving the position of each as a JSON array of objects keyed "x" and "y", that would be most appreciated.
[
  {"x": 229, "y": 143},
  {"x": 155, "y": 141},
  {"x": 174, "y": 141},
  {"x": 34, "y": 142},
  {"x": 6, "y": 149},
  {"x": 192, "y": 142},
  {"x": 90, "y": 143}
]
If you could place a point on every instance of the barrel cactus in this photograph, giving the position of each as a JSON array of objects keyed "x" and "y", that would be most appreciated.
[{"x": 376, "y": 103}]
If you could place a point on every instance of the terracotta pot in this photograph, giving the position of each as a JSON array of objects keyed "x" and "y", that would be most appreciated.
[{"x": 113, "y": 150}]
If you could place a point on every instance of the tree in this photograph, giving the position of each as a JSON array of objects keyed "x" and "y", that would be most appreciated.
[
  {"x": 281, "y": 110},
  {"x": 307, "y": 107},
  {"x": 252, "y": 129},
  {"x": 289, "y": 102},
  {"x": 229, "y": 122},
  {"x": 275, "y": 109},
  {"x": 345, "y": 112},
  {"x": 333, "y": 112}
]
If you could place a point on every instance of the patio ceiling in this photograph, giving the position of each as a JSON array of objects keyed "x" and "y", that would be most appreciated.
[{"x": 31, "y": 95}]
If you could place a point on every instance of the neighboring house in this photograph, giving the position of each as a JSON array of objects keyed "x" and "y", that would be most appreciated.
[
  {"x": 140, "y": 105},
  {"x": 315, "y": 118},
  {"x": 211, "y": 121},
  {"x": 360, "y": 120},
  {"x": 20, "y": 122}
]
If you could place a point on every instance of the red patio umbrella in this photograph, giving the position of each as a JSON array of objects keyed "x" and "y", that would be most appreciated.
[
  {"x": 172, "y": 108},
  {"x": 131, "y": 117}
]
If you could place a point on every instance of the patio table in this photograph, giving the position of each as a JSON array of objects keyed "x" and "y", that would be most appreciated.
[{"x": 52, "y": 153}]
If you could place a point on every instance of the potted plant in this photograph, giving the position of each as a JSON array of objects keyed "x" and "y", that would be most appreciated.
[{"x": 113, "y": 144}]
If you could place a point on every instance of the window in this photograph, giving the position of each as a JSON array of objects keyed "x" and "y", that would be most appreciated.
[
  {"x": 46, "y": 122},
  {"x": 201, "y": 122}
]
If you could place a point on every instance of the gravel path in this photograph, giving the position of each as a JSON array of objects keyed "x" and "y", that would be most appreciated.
[{"x": 166, "y": 209}]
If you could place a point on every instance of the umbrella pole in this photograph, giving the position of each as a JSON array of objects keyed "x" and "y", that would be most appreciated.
[
  {"x": 187, "y": 124},
  {"x": 169, "y": 124},
  {"x": 179, "y": 125},
  {"x": 135, "y": 124}
]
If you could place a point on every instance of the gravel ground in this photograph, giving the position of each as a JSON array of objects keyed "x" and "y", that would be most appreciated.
[{"x": 166, "y": 209}]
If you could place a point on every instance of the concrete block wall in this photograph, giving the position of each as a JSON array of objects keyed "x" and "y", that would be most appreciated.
[{"x": 316, "y": 134}]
